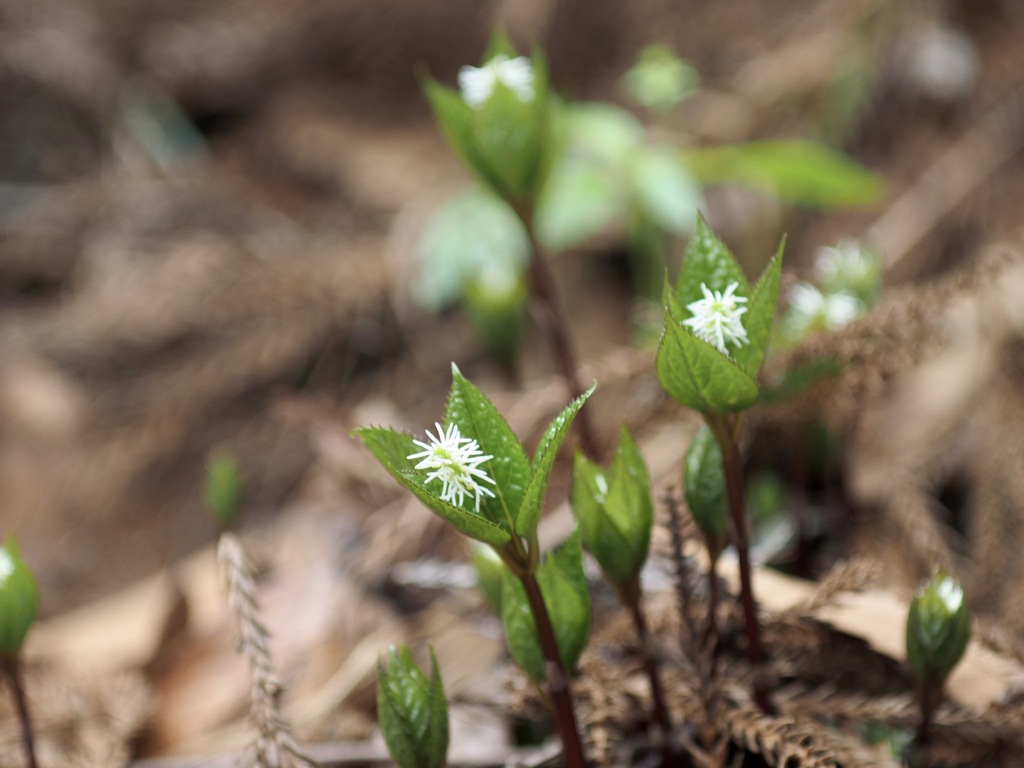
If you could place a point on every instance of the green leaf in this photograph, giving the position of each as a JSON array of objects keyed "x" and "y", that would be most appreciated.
[
  {"x": 490, "y": 573},
  {"x": 708, "y": 261},
  {"x": 391, "y": 449},
  {"x": 479, "y": 420},
  {"x": 412, "y": 711},
  {"x": 760, "y": 314},
  {"x": 796, "y": 171},
  {"x": 704, "y": 486},
  {"x": 580, "y": 200},
  {"x": 564, "y": 587},
  {"x": 696, "y": 374},
  {"x": 547, "y": 451},
  {"x": 614, "y": 510},
  {"x": 666, "y": 191}
]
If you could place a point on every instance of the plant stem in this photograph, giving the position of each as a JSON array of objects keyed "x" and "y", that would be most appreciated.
[
  {"x": 710, "y": 638},
  {"x": 548, "y": 315},
  {"x": 630, "y": 595},
  {"x": 10, "y": 667},
  {"x": 723, "y": 428},
  {"x": 557, "y": 676}
]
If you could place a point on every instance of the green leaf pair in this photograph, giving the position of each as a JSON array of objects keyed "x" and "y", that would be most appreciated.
[
  {"x": 506, "y": 139},
  {"x": 517, "y": 494},
  {"x": 563, "y": 587},
  {"x": 692, "y": 370},
  {"x": 19, "y": 599},
  {"x": 412, "y": 711},
  {"x": 614, "y": 510}
]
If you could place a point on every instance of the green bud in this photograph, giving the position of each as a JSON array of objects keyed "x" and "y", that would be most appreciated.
[
  {"x": 660, "y": 80},
  {"x": 19, "y": 599},
  {"x": 223, "y": 492},
  {"x": 412, "y": 711},
  {"x": 614, "y": 510},
  {"x": 500, "y": 122},
  {"x": 704, "y": 486},
  {"x": 490, "y": 573},
  {"x": 495, "y": 300},
  {"x": 938, "y": 629}
]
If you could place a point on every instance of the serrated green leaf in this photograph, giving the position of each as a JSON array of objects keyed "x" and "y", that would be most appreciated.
[
  {"x": 760, "y": 314},
  {"x": 694, "y": 373},
  {"x": 629, "y": 499},
  {"x": 547, "y": 451},
  {"x": 796, "y": 171},
  {"x": 521, "y": 629},
  {"x": 564, "y": 587},
  {"x": 666, "y": 191},
  {"x": 478, "y": 419},
  {"x": 391, "y": 449},
  {"x": 708, "y": 261}
]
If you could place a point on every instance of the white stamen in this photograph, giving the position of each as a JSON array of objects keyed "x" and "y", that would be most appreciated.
[
  {"x": 716, "y": 317},
  {"x": 455, "y": 461}
]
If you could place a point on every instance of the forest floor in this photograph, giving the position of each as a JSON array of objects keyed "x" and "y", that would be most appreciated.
[{"x": 208, "y": 227}]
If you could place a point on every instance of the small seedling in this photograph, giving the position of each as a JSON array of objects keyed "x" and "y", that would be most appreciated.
[
  {"x": 938, "y": 630},
  {"x": 412, "y": 711}
]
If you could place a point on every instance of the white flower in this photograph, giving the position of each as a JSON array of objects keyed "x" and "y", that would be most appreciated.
[
  {"x": 455, "y": 461},
  {"x": 477, "y": 83},
  {"x": 814, "y": 309},
  {"x": 716, "y": 317}
]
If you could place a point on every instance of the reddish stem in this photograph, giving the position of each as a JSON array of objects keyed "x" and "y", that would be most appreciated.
[
  {"x": 630, "y": 595},
  {"x": 557, "y": 677},
  {"x": 723, "y": 429}
]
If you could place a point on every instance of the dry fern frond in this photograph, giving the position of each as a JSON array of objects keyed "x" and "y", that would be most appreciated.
[
  {"x": 847, "y": 576},
  {"x": 273, "y": 745}
]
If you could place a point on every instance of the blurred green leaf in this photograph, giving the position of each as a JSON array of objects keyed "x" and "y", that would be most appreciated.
[
  {"x": 19, "y": 599},
  {"x": 666, "y": 191},
  {"x": 796, "y": 171},
  {"x": 471, "y": 232},
  {"x": 223, "y": 492}
]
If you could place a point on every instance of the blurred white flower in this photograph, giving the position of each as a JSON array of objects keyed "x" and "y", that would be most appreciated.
[
  {"x": 455, "y": 461},
  {"x": 846, "y": 264},
  {"x": 813, "y": 309},
  {"x": 716, "y": 317},
  {"x": 477, "y": 83}
]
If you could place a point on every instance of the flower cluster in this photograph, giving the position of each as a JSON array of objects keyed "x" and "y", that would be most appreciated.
[
  {"x": 716, "y": 317},
  {"x": 455, "y": 461},
  {"x": 477, "y": 83}
]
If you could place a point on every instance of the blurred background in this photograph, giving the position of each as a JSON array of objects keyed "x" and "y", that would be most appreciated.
[{"x": 209, "y": 215}]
